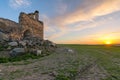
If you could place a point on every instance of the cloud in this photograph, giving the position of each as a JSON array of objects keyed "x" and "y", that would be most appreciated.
[
  {"x": 78, "y": 27},
  {"x": 97, "y": 38},
  {"x": 87, "y": 12},
  {"x": 61, "y": 8},
  {"x": 49, "y": 28},
  {"x": 19, "y": 3}
]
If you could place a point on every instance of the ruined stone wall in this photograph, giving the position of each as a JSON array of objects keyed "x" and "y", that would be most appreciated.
[
  {"x": 11, "y": 28},
  {"x": 29, "y": 24},
  {"x": 34, "y": 15},
  {"x": 33, "y": 25}
]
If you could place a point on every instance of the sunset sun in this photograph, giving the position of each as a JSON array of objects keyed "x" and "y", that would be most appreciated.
[{"x": 108, "y": 42}]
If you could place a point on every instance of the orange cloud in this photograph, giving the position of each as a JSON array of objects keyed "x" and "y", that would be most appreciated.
[
  {"x": 94, "y": 39},
  {"x": 89, "y": 10}
]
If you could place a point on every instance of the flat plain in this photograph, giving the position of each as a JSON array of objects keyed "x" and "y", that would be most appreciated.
[{"x": 85, "y": 62}]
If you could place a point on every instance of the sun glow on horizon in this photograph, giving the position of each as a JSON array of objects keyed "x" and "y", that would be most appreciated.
[{"x": 108, "y": 42}]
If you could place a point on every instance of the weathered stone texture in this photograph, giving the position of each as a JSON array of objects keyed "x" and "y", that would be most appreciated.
[
  {"x": 10, "y": 28},
  {"x": 28, "y": 26}
]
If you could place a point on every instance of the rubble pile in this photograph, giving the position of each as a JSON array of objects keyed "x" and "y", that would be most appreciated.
[{"x": 33, "y": 45}]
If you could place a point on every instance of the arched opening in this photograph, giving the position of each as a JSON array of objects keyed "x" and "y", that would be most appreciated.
[{"x": 27, "y": 33}]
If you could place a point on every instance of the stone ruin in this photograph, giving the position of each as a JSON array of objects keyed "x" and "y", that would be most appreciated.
[{"x": 27, "y": 36}]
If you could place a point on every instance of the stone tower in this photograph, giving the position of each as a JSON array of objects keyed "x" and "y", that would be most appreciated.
[
  {"x": 36, "y": 13},
  {"x": 30, "y": 25}
]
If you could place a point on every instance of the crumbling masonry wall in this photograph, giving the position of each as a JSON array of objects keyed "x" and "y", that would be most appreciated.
[
  {"x": 30, "y": 22},
  {"x": 28, "y": 26}
]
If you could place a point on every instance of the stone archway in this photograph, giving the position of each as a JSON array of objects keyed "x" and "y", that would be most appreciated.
[{"x": 27, "y": 33}]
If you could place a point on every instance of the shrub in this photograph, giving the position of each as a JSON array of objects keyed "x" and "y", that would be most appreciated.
[{"x": 62, "y": 77}]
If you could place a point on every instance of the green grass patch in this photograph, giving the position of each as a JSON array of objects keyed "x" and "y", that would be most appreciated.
[
  {"x": 105, "y": 56},
  {"x": 61, "y": 77},
  {"x": 19, "y": 58}
]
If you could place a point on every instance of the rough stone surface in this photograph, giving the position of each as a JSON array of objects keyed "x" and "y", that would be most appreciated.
[
  {"x": 49, "y": 43},
  {"x": 31, "y": 27},
  {"x": 9, "y": 27},
  {"x": 70, "y": 51},
  {"x": 28, "y": 26},
  {"x": 13, "y": 44},
  {"x": 37, "y": 52},
  {"x": 17, "y": 51},
  {"x": 22, "y": 43},
  {"x": 65, "y": 50},
  {"x": 3, "y": 37}
]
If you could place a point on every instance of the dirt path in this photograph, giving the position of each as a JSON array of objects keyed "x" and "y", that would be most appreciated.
[
  {"x": 91, "y": 72},
  {"x": 41, "y": 69}
]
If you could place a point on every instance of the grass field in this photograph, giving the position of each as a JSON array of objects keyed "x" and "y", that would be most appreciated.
[
  {"x": 86, "y": 63},
  {"x": 107, "y": 57}
]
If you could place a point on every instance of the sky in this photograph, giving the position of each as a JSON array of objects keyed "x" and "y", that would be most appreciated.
[{"x": 71, "y": 21}]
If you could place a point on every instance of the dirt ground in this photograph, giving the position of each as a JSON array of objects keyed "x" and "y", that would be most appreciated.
[{"x": 46, "y": 68}]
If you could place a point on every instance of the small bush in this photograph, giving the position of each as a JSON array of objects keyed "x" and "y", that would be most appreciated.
[
  {"x": 4, "y": 60},
  {"x": 62, "y": 77},
  {"x": 73, "y": 73},
  {"x": 1, "y": 48}
]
